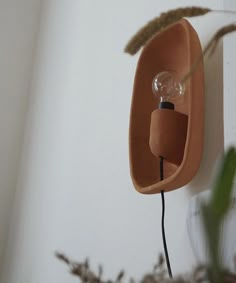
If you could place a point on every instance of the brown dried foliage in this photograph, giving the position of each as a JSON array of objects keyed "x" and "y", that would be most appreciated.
[
  {"x": 158, "y": 275},
  {"x": 159, "y": 23},
  {"x": 84, "y": 272},
  {"x": 170, "y": 17}
]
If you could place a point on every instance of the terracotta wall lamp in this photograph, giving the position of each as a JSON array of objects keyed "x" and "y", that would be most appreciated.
[{"x": 174, "y": 129}]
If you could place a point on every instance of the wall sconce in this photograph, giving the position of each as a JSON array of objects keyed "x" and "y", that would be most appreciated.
[{"x": 174, "y": 130}]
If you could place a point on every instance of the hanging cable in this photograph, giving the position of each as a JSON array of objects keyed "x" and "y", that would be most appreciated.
[{"x": 163, "y": 219}]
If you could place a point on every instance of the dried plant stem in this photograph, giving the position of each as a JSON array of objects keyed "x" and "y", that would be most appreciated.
[
  {"x": 210, "y": 48},
  {"x": 157, "y": 275},
  {"x": 159, "y": 23},
  {"x": 164, "y": 20},
  {"x": 224, "y": 11},
  {"x": 84, "y": 272}
]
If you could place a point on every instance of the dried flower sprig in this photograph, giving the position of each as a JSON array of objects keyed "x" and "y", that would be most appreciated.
[
  {"x": 84, "y": 272},
  {"x": 86, "y": 275},
  {"x": 170, "y": 17},
  {"x": 159, "y": 23},
  {"x": 164, "y": 20}
]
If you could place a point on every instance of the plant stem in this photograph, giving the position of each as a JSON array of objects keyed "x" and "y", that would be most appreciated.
[{"x": 224, "y": 11}]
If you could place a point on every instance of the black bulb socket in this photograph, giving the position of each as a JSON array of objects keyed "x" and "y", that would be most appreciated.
[{"x": 166, "y": 105}]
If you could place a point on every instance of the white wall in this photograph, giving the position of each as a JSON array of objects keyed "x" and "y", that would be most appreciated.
[
  {"x": 18, "y": 28},
  {"x": 229, "y": 83},
  {"x": 74, "y": 191}
]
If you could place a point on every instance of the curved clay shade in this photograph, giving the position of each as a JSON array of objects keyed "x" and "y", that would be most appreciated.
[{"x": 176, "y": 48}]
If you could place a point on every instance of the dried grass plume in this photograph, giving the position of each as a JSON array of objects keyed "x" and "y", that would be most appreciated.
[{"x": 159, "y": 23}]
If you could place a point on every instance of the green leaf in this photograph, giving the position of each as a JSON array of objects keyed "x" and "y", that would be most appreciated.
[
  {"x": 214, "y": 211},
  {"x": 221, "y": 194}
]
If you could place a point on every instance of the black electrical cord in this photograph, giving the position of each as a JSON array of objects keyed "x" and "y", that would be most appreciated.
[{"x": 163, "y": 219}]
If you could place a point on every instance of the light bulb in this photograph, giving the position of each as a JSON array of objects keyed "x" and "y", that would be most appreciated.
[
  {"x": 166, "y": 85},
  {"x": 170, "y": 143}
]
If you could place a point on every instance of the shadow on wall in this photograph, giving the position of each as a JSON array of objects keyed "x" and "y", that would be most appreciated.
[{"x": 214, "y": 124}]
